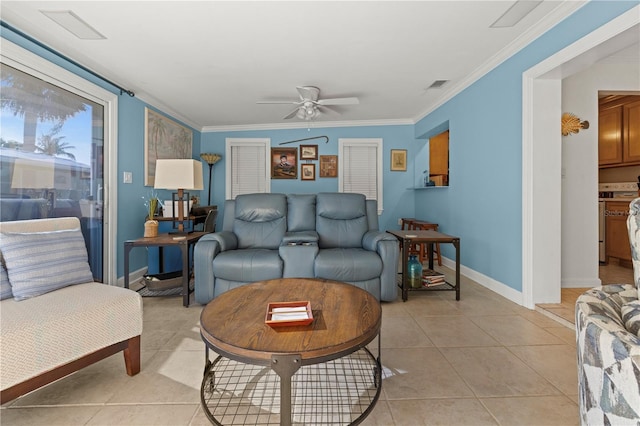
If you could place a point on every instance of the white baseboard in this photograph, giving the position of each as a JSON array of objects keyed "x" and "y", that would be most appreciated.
[
  {"x": 134, "y": 276},
  {"x": 496, "y": 286},
  {"x": 580, "y": 282}
]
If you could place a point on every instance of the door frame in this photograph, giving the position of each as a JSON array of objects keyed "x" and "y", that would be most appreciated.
[
  {"x": 542, "y": 159},
  {"x": 24, "y": 60}
]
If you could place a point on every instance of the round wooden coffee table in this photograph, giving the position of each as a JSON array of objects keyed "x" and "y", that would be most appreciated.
[{"x": 318, "y": 373}]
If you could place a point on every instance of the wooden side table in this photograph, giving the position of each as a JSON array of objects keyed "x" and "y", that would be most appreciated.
[
  {"x": 421, "y": 250},
  {"x": 166, "y": 240},
  {"x": 430, "y": 237}
]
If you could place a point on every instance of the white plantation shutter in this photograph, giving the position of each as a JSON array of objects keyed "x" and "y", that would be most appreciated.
[
  {"x": 361, "y": 168},
  {"x": 247, "y": 166}
]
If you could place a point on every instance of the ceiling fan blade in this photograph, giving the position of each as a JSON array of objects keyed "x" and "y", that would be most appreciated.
[
  {"x": 338, "y": 101},
  {"x": 291, "y": 114},
  {"x": 308, "y": 92},
  {"x": 279, "y": 102},
  {"x": 324, "y": 108}
]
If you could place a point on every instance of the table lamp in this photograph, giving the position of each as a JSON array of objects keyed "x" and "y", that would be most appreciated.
[
  {"x": 211, "y": 159},
  {"x": 179, "y": 174}
]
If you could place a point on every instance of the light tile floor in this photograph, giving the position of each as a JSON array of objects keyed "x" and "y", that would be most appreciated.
[
  {"x": 565, "y": 311},
  {"x": 481, "y": 360}
]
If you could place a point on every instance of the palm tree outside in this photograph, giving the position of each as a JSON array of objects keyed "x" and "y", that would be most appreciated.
[
  {"x": 36, "y": 100},
  {"x": 51, "y": 144}
]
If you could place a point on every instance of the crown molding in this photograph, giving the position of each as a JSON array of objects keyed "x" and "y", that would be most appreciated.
[
  {"x": 553, "y": 18},
  {"x": 307, "y": 125},
  {"x": 166, "y": 110}
]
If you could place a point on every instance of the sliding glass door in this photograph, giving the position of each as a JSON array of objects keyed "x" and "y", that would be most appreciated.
[{"x": 52, "y": 144}]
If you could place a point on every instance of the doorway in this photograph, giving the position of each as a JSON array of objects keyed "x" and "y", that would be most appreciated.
[{"x": 542, "y": 107}]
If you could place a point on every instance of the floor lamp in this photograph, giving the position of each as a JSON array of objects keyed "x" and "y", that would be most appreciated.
[
  {"x": 211, "y": 159},
  {"x": 178, "y": 174}
]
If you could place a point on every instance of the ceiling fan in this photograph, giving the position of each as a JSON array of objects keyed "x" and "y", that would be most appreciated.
[{"x": 310, "y": 106}]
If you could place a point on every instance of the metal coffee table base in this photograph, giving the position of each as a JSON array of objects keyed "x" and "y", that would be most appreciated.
[{"x": 338, "y": 392}]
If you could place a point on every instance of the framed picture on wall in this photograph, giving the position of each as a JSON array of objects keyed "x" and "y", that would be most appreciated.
[
  {"x": 163, "y": 138},
  {"x": 308, "y": 152},
  {"x": 308, "y": 171},
  {"x": 284, "y": 163},
  {"x": 398, "y": 160},
  {"x": 329, "y": 166}
]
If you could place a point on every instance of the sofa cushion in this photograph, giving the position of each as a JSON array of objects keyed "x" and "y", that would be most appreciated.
[
  {"x": 301, "y": 214},
  {"x": 260, "y": 220},
  {"x": 341, "y": 220},
  {"x": 42, "y": 333},
  {"x": 349, "y": 265},
  {"x": 631, "y": 317},
  {"x": 248, "y": 265},
  {"x": 41, "y": 262}
]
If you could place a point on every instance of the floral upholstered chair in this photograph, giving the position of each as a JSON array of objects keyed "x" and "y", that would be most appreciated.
[{"x": 608, "y": 345}]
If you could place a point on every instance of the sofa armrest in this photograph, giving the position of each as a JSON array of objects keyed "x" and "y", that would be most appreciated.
[
  {"x": 386, "y": 245},
  {"x": 292, "y": 238},
  {"x": 205, "y": 250},
  {"x": 226, "y": 239},
  {"x": 608, "y": 357},
  {"x": 371, "y": 239}
]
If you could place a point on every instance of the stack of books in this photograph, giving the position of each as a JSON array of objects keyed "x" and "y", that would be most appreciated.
[{"x": 432, "y": 278}]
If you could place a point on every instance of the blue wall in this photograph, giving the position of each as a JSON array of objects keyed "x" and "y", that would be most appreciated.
[
  {"x": 483, "y": 205},
  {"x": 398, "y": 201}
]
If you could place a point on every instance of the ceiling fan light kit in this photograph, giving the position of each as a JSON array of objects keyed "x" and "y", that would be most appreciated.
[{"x": 310, "y": 106}]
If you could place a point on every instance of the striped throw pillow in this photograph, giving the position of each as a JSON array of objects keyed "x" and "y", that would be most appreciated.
[
  {"x": 40, "y": 262},
  {"x": 5, "y": 287}
]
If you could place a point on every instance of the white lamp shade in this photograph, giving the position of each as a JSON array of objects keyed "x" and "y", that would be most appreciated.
[{"x": 178, "y": 174}]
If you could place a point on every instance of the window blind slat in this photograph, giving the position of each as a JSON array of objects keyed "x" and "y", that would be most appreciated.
[
  {"x": 248, "y": 173},
  {"x": 361, "y": 170}
]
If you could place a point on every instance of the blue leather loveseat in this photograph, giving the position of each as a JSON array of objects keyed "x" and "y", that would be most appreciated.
[{"x": 327, "y": 235}]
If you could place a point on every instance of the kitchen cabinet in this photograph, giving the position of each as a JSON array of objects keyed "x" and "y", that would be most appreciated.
[
  {"x": 616, "y": 234},
  {"x": 619, "y": 131},
  {"x": 610, "y": 136},
  {"x": 439, "y": 159},
  {"x": 631, "y": 126}
]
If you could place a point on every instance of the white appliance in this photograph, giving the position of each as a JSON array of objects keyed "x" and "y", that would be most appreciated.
[
  {"x": 612, "y": 191},
  {"x": 601, "y": 248}
]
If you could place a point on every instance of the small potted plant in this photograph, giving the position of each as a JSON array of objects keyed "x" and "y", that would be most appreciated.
[{"x": 151, "y": 225}]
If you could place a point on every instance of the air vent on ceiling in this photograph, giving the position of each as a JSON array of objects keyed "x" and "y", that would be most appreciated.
[
  {"x": 437, "y": 84},
  {"x": 74, "y": 24}
]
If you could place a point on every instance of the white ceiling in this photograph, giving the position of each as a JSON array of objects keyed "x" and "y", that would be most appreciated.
[{"x": 209, "y": 62}]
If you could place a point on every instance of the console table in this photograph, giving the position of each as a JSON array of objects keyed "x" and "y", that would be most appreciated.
[
  {"x": 161, "y": 241},
  {"x": 429, "y": 237}
]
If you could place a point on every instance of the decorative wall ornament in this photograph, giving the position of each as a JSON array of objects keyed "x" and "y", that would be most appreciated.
[{"x": 572, "y": 124}]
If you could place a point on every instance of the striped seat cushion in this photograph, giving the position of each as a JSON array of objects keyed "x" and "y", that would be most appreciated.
[{"x": 40, "y": 262}]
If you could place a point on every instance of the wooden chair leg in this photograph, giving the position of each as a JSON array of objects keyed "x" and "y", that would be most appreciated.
[
  {"x": 439, "y": 256},
  {"x": 132, "y": 356}
]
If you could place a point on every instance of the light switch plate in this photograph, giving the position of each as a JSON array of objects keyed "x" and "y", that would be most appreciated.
[{"x": 127, "y": 177}]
